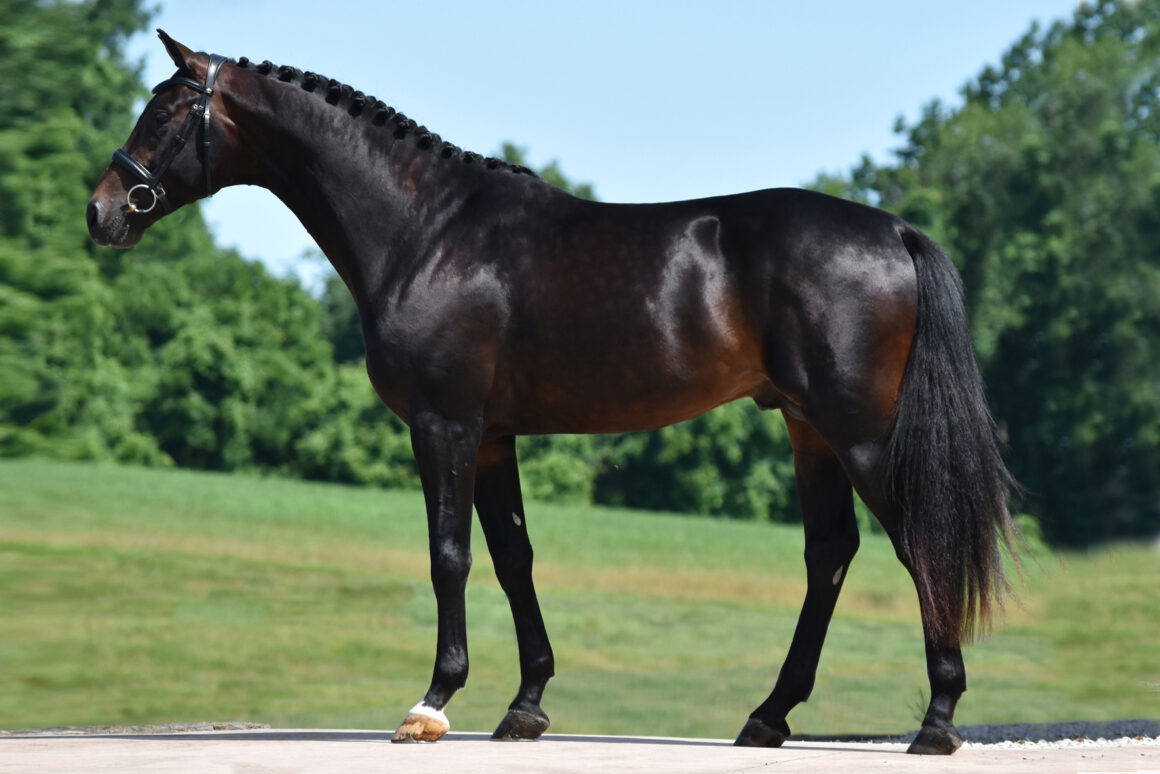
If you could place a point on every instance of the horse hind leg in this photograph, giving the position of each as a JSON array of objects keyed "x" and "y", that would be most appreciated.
[
  {"x": 831, "y": 541},
  {"x": 946, "y": 672},
  {"x": 501, "y": 514}
]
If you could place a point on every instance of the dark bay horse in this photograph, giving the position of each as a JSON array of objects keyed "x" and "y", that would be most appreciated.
[{"x": 494, "y": 305}]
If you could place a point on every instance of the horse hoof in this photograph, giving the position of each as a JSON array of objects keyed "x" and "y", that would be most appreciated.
[
  {"x": 933, "y": 740},
  {"x": 757, "y": 734},
  {"x": 422, "y": 724},
  {"x": 521, "y": 726}
]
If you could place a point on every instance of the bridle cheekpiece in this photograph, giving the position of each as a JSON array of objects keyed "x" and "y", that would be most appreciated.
[{"x": 151, "y": 181}]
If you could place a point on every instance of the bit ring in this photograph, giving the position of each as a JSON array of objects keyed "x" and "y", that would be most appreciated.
[{"x": 133, "y": 207}]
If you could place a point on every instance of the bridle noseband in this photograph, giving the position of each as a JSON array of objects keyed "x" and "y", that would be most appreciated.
[{"x": 151, "y": 181}]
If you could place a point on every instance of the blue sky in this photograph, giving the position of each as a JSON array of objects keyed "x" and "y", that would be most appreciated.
[{"x": 648, "y": 101}]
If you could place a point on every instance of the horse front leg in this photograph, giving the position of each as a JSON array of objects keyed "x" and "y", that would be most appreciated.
[
  {"x": 445, "y": 451},
  {"x": 501, "y": 513}
]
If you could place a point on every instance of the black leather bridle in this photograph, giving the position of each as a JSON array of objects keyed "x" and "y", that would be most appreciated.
[{"x": 151, "y": 181}]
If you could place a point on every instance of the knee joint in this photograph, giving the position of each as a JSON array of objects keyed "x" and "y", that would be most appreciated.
[{"x": 450, "y": 566}]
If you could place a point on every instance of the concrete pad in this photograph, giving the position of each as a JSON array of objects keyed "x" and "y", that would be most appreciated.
[{"x": 286, "y": 751}]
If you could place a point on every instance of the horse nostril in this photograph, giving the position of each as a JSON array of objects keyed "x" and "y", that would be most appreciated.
[{"x": 93, "y": 214}]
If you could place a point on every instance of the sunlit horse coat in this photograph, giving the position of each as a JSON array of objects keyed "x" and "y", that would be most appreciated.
[{"x": 494, "y": 305}]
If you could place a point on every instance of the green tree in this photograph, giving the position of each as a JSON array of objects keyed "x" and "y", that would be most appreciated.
[
  {"x": 1045, "y": 187},
  {"x": 173, "y": 352},
  {"x": 60, "y": 388}
]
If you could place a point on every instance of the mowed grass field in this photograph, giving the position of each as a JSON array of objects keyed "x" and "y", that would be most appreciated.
[{"x": 134, "y": 596}]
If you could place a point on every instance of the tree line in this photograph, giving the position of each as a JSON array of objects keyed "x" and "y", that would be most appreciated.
[
  {"x": 1042, "y": 185},
  {"x": 1045, "y": 188}
]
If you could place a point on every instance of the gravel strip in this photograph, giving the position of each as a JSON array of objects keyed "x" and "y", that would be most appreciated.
[
  {"x": 1080, "y": 733},
  {"x": 1116, "y": 733}
]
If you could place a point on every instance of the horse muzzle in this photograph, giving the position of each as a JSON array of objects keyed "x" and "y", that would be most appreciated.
[{"x": 111, "y": 225}]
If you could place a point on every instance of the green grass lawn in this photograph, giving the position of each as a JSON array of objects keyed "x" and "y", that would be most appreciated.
[{"x": 146, "y": 596}]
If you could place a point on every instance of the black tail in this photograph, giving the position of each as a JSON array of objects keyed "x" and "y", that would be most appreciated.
[{"x": 947, "y": 475}]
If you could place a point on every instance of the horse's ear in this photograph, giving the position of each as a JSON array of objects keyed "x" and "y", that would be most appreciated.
[{"x": 180, "y": 54}]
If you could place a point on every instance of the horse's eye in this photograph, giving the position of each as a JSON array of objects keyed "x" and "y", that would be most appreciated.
[{"x": 161, "y": 117}]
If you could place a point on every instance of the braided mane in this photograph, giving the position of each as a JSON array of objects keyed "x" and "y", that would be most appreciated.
[{"x": 361, "y": 105}]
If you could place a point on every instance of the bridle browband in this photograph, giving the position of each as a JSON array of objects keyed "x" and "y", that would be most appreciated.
[{"x": 151, "y": 181}]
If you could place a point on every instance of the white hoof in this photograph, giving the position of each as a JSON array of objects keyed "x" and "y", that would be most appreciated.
[{"x": 422, "y": 724}]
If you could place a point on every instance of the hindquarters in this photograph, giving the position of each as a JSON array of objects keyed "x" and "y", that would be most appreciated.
[
  {"x": 868, "y": 342},
  {"x": 869, "y": 356},
  {"x": 839, "y": 307}
]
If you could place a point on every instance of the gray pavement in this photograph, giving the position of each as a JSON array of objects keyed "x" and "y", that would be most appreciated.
[{"x": 284, "y": 751}]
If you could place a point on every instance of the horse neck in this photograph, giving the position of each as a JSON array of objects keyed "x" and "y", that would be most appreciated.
[{"x": 368, "y": 198}]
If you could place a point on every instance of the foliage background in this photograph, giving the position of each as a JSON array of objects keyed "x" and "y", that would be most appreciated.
[{"x": 1043, "y": 186}]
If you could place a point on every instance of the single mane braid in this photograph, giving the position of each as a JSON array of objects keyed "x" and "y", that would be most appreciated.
[
  {"x": 383, "y": 113},
  {"x": 357, "y": 104}
]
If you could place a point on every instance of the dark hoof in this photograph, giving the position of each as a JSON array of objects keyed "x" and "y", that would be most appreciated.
[
  {"x": 521, "y": 726},
  {"x": 933, "y": 740},
  {"x": 757, "y": 734}
]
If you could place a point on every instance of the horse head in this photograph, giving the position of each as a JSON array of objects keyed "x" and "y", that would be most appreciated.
[{"x": 175, "y": 154}]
